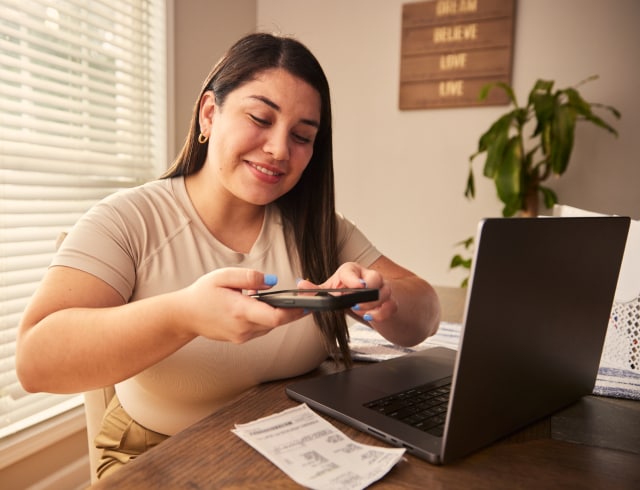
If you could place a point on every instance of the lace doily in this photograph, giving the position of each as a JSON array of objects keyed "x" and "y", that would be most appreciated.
[{"x": 622, "y": 344}]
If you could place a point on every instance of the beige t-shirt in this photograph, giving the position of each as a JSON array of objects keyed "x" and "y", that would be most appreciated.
[{"x": 150, "y": 240}]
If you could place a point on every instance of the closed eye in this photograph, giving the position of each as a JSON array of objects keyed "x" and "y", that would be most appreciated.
[
  {"x": 261, "y": 122},
  {"x": 266, "y": 123},
  {"x": 301, "y": 139}
]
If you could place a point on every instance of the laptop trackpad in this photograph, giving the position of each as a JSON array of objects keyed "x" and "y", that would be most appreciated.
[
  {"x": 366, "y": 383},
  {"x": 405, "y": 372}
]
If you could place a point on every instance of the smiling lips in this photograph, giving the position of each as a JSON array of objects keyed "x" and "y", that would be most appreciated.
[{"x": 265, "y": 171}]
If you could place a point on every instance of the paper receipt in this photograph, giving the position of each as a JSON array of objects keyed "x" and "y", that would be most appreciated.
[{"x": 314, "y": 453}]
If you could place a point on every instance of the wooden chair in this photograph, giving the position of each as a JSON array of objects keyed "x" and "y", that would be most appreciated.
[{"x": 95, "y": 403}]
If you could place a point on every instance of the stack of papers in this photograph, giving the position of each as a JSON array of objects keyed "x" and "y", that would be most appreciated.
[{"x": 368, "y": 345}]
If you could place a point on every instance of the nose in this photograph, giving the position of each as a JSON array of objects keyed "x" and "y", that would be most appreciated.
[{"x": 277, "y": 144}]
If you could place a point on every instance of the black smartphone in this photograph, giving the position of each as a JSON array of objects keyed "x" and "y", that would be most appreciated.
[{"x": 318, "y": 299}]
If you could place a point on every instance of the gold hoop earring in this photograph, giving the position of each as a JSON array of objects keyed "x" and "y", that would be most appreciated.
[{"x": 202, "y": 139}]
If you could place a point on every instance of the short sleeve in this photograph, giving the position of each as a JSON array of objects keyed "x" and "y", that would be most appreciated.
[
  {"x": 353, "y": 245},
  {"x": 98, "y": 245}
]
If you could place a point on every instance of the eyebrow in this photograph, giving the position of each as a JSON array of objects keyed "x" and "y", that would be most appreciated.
[{"x": 276, "y": 107}]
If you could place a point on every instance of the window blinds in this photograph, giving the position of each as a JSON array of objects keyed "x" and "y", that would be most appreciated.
[{"x": 82, "y": 114}]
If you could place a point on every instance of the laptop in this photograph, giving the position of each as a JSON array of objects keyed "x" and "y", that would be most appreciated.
[{"x": 536, "y": 313}]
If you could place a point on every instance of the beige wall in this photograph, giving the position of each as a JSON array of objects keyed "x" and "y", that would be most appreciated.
[
  {"x": 401, "y": 175},
  {"x": 203, "y": 29}
]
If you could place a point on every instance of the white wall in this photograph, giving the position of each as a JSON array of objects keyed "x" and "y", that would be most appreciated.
[{"x": 401, "y": 175}]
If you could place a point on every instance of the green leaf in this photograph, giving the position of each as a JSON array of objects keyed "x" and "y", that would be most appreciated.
[
  {"x": 495, "y": 154},
  {"x": 484, "y": 91},
  {"x": 459, "y": 261},
  {"x": 470, "y": 190},
  {"x": 584, "y": 109},
  {"x": 508, "y": 177},
  {"x": 576, "y": 101},
  {"x": 544, "y": 106},
  {"x": 562, "y": 132},
  {"x": 545, "y": 86},
  {"x": 549, "y": 196},
  {"x": 612, "y": 110},
  {"x": 599, "y": 122},
  {"x": 500, "y": 126},
  {"x": 466, "y": 243},
  {"x": 590, "y": 78},
  {"x": 545, "y": 137},
  {"x": 521, "y": 116},
  {"x": 494, "y": 142},
  {"x": 512, "y": 206}
]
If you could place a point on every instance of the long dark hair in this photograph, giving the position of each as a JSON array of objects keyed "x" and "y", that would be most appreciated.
[{"x": 308, "y": 210}]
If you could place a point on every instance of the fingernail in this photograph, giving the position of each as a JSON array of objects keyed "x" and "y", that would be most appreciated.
[
  {"x": 270, "y": 279},
  {"x": 363, "y": 282},
  {"x": 305, "y": 311},
  {"x": 355, "y": 308},
  {"x": 367, "y": 317},
  {"x": 298, "y": 281}
]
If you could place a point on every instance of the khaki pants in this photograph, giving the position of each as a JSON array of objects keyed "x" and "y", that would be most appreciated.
[{"x": 122, "y": 439}]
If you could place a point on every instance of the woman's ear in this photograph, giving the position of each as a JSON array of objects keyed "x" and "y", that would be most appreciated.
[{"x": 206, "y": 112}]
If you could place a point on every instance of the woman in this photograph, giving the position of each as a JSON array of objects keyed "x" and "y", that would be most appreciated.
[{"x": 149, "y": 290}]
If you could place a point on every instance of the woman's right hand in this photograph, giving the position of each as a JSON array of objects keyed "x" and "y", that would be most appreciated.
[
  {"x": 216, "y": 307},
  {"x": 78, "y": 333}
]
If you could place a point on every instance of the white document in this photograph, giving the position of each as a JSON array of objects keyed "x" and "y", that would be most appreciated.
[{"x": 314, "y": 453}]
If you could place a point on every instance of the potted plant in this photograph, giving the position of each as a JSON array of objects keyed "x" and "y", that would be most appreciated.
[
  {"x": 519, "y": 166},
  {"x": 519, "y": 169}
]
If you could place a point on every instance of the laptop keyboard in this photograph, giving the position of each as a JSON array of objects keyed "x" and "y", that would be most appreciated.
[{"x": 423, "y": 407}]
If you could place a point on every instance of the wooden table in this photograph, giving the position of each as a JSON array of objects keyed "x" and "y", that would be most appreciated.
[
  {"x": 209, "y": 455},
  {"x": 593, "y": 445}
]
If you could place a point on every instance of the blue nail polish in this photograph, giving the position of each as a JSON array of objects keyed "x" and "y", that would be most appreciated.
[
  {"x": 306, "y": 311},
  {"x": 270, "y": 279},
  {"x": 367, "y": 317},
  {"x": 363, "y": 282},
  {"x": 355, "y": 307}
]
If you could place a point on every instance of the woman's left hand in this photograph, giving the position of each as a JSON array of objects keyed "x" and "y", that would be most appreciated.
[
  {"x": 353, "y": 275},
  {"x": 407, "y": 310}
]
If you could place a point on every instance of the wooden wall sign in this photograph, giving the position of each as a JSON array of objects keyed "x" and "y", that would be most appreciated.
[{"x": 451, "y": 48}]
